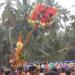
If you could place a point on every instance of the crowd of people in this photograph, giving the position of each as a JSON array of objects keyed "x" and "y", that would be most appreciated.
[{"x": 41, "y": 69}]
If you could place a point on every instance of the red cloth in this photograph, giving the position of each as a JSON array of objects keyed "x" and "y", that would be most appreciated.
[
  {"x": 51, "y": 10},
  {"x": 37, "y": 10},
  {"x": 40, "y": 7},
  {"x": 43, "y": 13},
  {"x": 43, "y": 20}
]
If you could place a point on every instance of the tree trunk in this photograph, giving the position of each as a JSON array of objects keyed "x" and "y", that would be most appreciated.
[{"x": 10, "y": 39}]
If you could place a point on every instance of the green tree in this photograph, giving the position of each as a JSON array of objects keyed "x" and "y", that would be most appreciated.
[{"x": 43, "y": 45}]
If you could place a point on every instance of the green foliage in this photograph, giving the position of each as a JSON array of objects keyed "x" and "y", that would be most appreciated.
[
  {"x": 70, "y": 55},
  {"x": 49, "y": 2},
  {"x": 72, "y": 17},
  {"x": 43, "y": 45},
  {"x": 40, "y": 1}
]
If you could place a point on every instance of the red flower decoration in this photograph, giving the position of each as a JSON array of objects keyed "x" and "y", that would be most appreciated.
[{"x": 42, "y": 13}]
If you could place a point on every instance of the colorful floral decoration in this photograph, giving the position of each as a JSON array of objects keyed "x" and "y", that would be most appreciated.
[{"x": 42, "y": 14}]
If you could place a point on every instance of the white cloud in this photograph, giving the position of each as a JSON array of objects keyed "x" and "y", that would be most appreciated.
[
  {"x": 1, "y": 10},
  {"x": 2, "y": 1},
  {"x": 67, "y": 4}
]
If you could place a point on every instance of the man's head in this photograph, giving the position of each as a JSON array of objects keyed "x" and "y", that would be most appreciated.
[{"x": 33, "y": 70}]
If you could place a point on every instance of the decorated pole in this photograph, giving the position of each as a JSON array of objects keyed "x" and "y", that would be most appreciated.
[{"x": 41, "y": 16}]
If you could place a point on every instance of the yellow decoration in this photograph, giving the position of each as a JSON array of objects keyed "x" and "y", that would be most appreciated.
[{"x": 19, "y": 45}]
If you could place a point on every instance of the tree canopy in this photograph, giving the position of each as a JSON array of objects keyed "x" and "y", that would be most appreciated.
[{"x": 50, "y": 44}]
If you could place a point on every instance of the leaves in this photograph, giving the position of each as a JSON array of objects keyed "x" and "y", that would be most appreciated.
[
  {"x": 45, "y": 45},
  {"x": 40, "y": 1}
]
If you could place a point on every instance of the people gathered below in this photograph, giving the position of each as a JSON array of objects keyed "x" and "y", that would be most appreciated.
[{"x": 42, "y": 69}]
